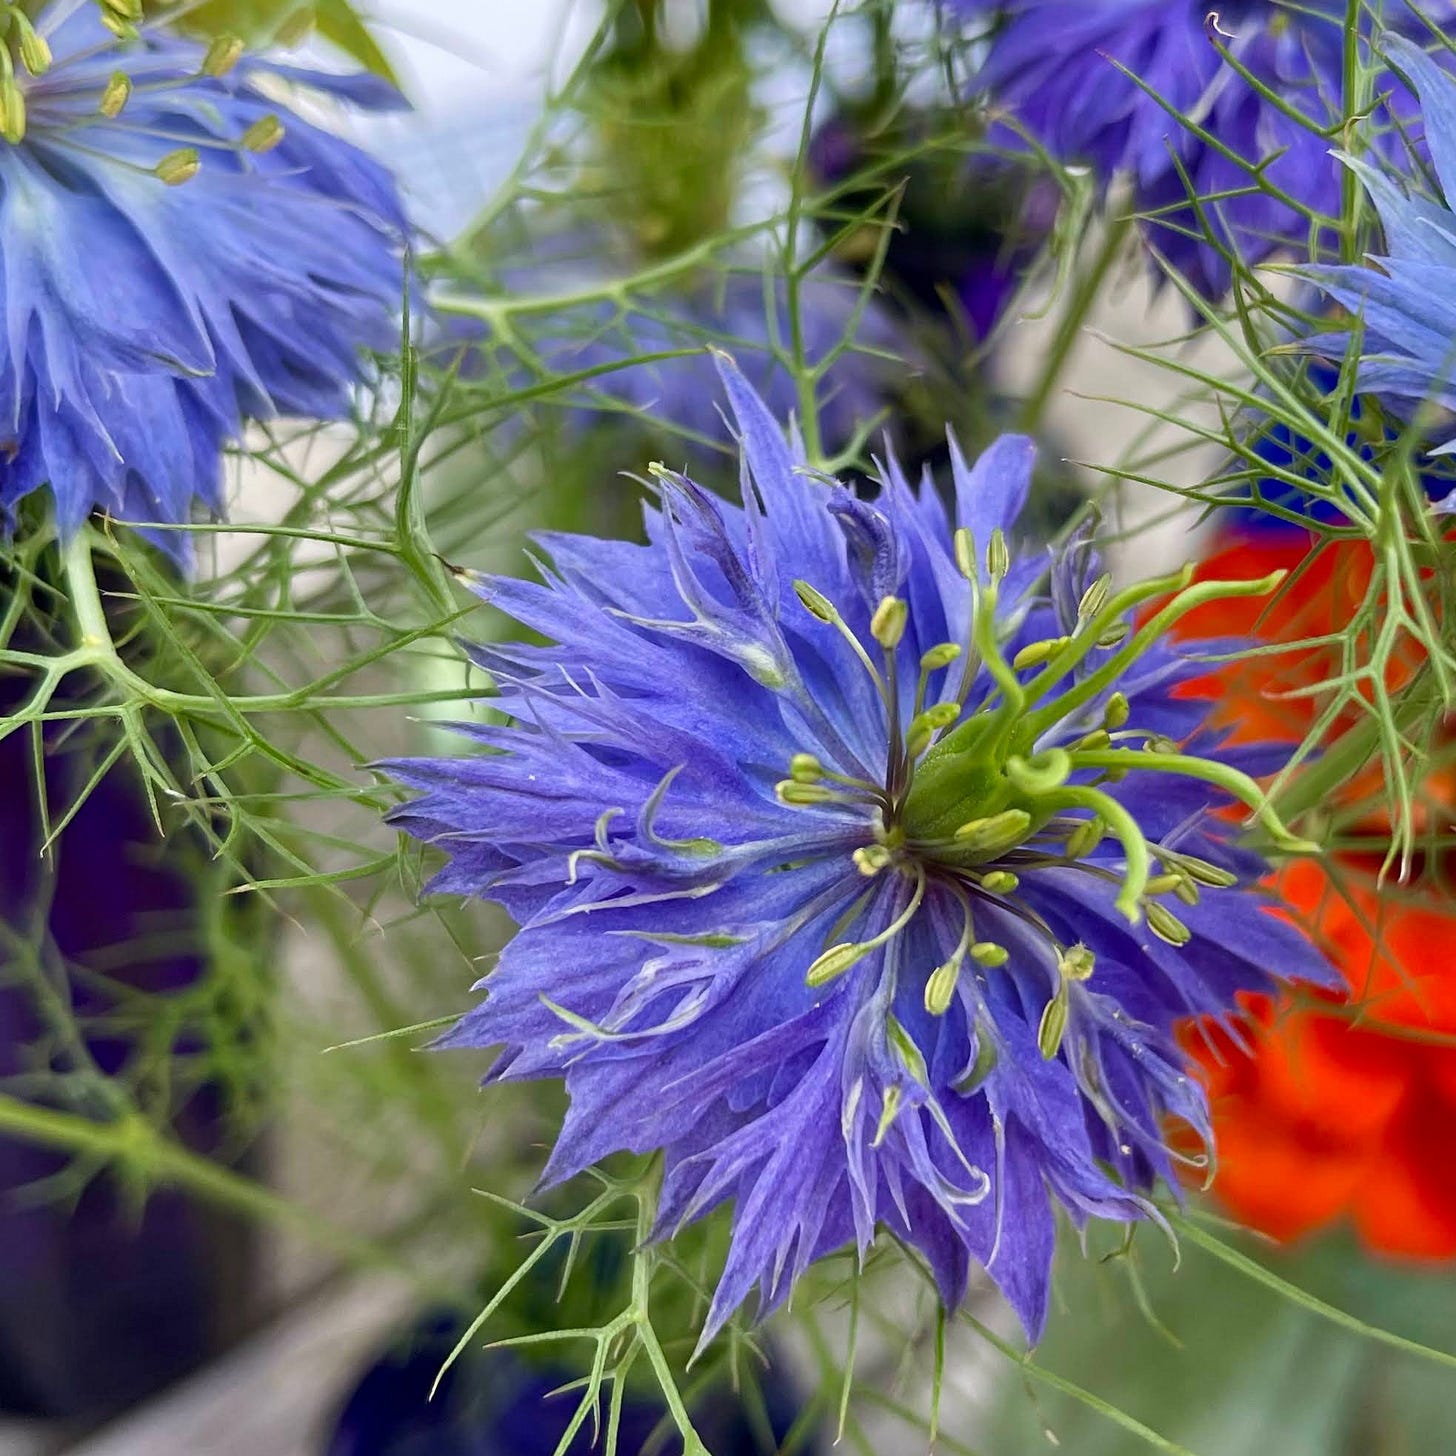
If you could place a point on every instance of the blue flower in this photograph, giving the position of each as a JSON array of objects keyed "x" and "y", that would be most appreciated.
[
  {"x": 1294, "y": 509},
  {"x": 1407, "y": 308},
  {"x": 1051, "y": 65},
  {"x": 178, "y": 254},
  {"x": 856, "y": 866}
]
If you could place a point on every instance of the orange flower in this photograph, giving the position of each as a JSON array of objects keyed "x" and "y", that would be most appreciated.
[{"x": 1334, "y": 1107}]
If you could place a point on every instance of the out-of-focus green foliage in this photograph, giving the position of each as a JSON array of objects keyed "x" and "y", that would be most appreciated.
[{"x": 260, "y": 22}]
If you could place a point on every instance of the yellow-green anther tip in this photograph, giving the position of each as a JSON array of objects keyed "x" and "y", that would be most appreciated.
[
  {"x": 1167, "y": 926},
  {"x": 116, "y": 94},
  {"x": 941, "y": 655},
  {"x": 965, "y": 553},
  {"x": 815, "y": 602},
  {"x": 887, "y": 626},
  {"x": 34, "y": 52},
  {"x": 1036, "y": 653},
  {"x": 1053, "y": 1026},
  {"x": 834, "y": 962},
  {"x": 264, "y": 134},
  {"x": 12, "y": 113},
  {"x": 222, "y": 55},
  {"x": 988, "y": 953},
  {"x": 998, "y": 555},
  {"x": 178, "y": 167},
  {"x": 941, "y": 986}
]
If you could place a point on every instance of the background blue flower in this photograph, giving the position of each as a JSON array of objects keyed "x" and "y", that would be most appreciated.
[
  {"x": 1407, "y": 302},
  {"x": 148, "y": 310},
  {"x": 840, "y": 975},
  {"x": 1050, "y": 64}
]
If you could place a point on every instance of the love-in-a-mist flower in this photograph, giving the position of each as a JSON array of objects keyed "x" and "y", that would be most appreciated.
[
  {"x": 178, "y": 254},
  {"x": 862, "y": 867},
  {"x": 1054, "y": 67},
  {"x": 1406, "y": 302}
]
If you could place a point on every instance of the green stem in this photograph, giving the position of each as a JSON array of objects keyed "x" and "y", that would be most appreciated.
[
  {"x": 85, "y": 595},
  {"x": 132, "y": 1141}
]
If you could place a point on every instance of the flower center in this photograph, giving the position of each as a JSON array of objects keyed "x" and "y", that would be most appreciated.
[{"x": 975, "y": 797}]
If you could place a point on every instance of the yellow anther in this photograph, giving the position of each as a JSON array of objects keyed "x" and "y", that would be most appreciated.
[
  {"x": 870, "y": 859},
  {"x": 942, "y": 655},
  {"x": 116, "y": 94},
  {"x": 833, "y": 963},
  {"x": 940, "y": 988},
  {"x": 995, "y": 832},
  {"x": 264, "y": 134},
  {"x": 815, "y": 602},
  {"x": 998, "y": 556},
  {"x": 887, "y": 626},
  {"x": 999, "y": 882},
  {"x": 1036, "y": 653},
  {"x": 1095, "y": 597},
  {"x": 804, "y": 768},
  {"x": 1165, "y": 925},
  {"x": 178, "y": 167},
  {"x": 222, "y": 55}
]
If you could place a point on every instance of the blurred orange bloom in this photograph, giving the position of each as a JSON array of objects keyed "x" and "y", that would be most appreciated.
[{"x": 1335, "y": 1107}]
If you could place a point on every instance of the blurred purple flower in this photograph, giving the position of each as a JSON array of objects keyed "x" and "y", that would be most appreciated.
[{"x": 1050, "y": 64}]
